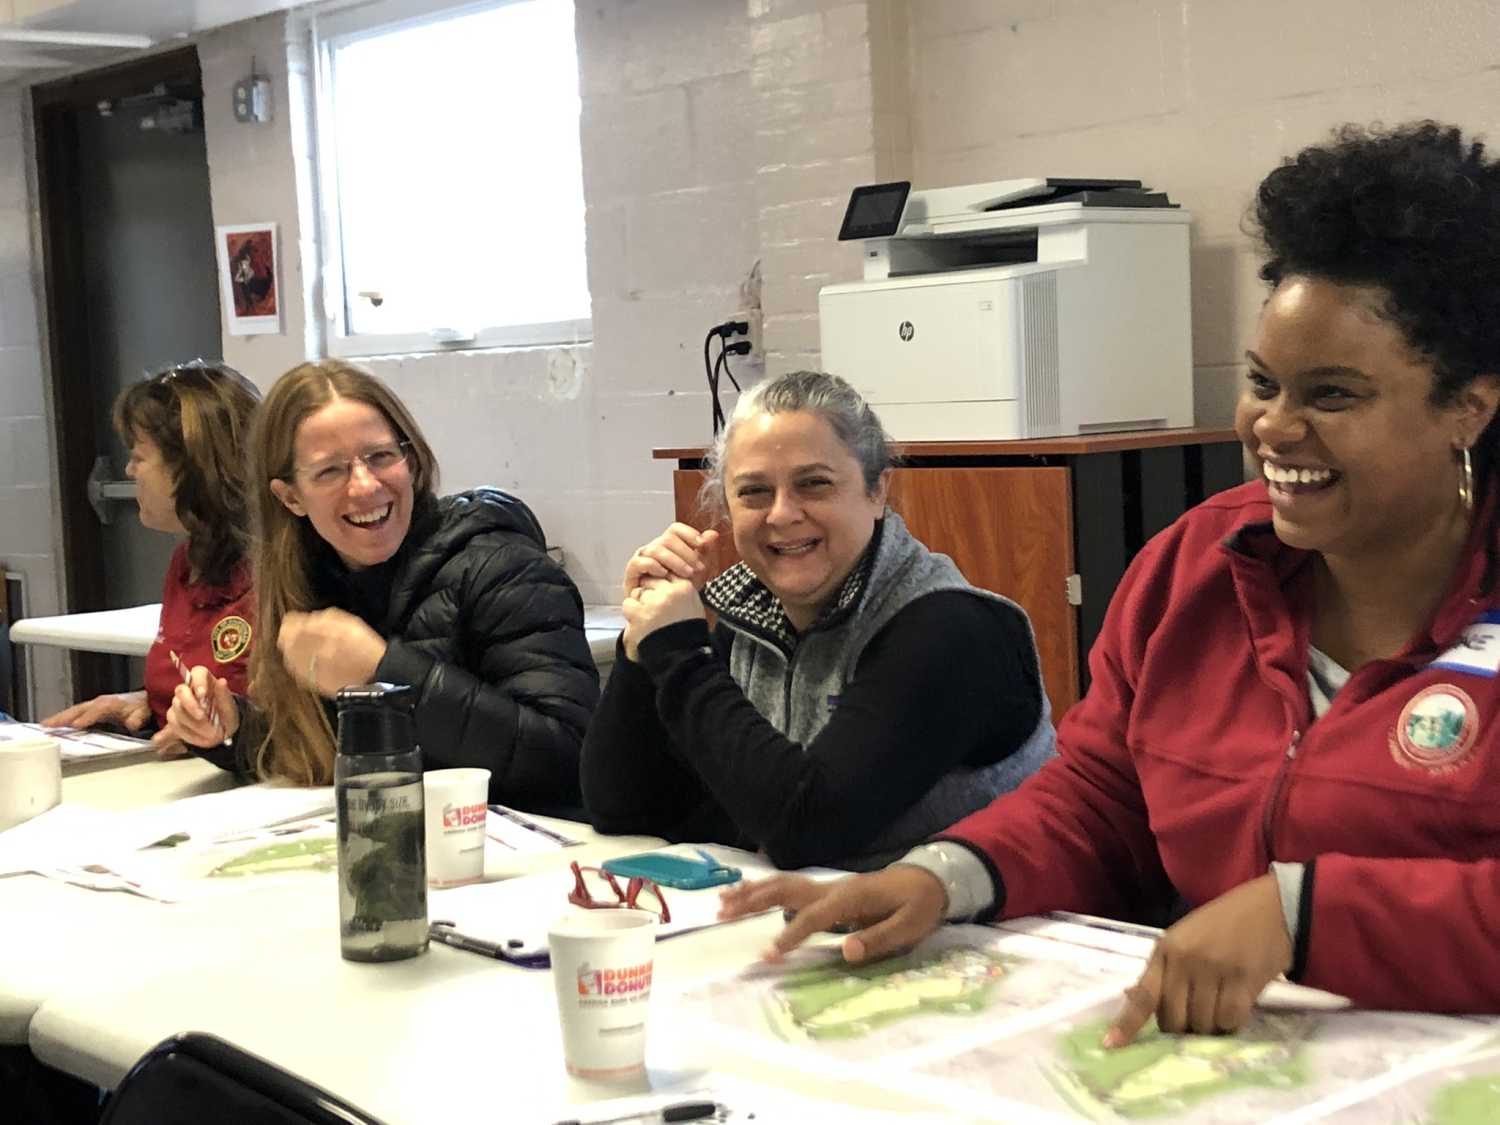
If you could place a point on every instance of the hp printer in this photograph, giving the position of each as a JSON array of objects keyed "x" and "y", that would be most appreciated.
[{"x": 1015, "y": 309}]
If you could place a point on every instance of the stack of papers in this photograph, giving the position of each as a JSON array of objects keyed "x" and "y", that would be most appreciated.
[{"x": 81, "y": 748}]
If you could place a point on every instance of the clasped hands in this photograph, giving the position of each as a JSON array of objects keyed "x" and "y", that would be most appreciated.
[
  {"x": 662, "y": 580},
  {"x": 324, "y": 651},
  {"x": 1203, "y": 976}
]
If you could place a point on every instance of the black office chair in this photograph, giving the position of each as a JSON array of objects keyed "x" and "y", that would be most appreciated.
[{"x": 192, "y": 1078}]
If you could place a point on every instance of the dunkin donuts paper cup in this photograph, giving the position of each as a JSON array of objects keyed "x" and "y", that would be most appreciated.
[
  {"x": 456, "y": 805},
  {"x": 601, "y": 968}
]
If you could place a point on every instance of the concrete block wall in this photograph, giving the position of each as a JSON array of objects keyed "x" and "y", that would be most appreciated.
[
  {"x": 30, "y": 534},
  {"x": 262, "y": 172},
  {"x": 828, "y": 80},
  {"x": 1199, "y": 97}
]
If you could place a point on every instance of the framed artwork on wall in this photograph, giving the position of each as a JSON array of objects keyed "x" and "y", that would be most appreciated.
[{"x": 250, "y": 290}]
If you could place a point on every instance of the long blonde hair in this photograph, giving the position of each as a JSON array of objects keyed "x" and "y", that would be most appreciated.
[{"x": 299, "y": 741}]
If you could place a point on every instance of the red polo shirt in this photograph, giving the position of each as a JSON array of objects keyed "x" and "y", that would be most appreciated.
[{"x": 207, "y": 625}]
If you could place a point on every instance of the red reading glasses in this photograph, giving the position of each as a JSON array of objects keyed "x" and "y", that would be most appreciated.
[{"x": 597, "y": 889}]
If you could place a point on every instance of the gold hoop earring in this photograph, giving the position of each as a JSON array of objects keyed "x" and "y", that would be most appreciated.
[{"x": 1466, "y": 481}]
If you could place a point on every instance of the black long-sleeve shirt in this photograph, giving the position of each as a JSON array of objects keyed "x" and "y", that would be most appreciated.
[{"x": 677, "y": 750}]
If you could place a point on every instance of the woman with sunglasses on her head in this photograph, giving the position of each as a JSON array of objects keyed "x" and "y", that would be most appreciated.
[
  {"x": 857, "y": 693},
  {"x": 1293, "y": 723},
  {"x": 364, "y": 575},
  {"x": 187, "y": 429}
]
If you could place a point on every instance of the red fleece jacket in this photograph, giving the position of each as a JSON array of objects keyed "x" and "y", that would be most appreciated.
[{"x": 1195, "y": 759}]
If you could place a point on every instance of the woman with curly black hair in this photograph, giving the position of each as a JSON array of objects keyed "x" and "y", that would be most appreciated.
[{"x": 1294, "y": 720}]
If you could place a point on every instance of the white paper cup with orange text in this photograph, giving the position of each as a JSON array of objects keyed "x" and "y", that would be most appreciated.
[
  {"x": 601, "y": 967},
  {"x": 456, "y": 806}
]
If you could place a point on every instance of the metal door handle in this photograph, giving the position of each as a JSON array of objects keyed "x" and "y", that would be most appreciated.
[{"x": 102, "y": 490}]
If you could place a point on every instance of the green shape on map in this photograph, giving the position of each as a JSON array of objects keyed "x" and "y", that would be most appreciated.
[
  {"x": 839, "y": 1001},
  {"x": 1158, "y": 1074},
  {"x": 317, "y": 854},
  {"x": 1472, "y": 1101}
]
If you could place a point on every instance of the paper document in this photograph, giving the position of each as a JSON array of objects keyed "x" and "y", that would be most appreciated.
[
  {"x": 513, "y": 915},
  {"x": 217, "y": 816},
  {"x": 78, "y": 745},
  {"x": 1008, "y": 1026},
  {"x": 520, "y": 833},
  {"x": 69, "y": 835},
  {"x": 102, "y": 850}
]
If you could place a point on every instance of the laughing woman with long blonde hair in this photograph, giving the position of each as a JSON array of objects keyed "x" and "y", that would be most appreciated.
[{"x": 364, "y": 574}]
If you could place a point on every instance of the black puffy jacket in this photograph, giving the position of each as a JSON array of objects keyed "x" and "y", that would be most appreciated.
[{"x": 489, "y": 631}]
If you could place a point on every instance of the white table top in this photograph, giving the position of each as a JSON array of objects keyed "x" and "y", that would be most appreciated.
[
  {"x": 123, "y": 632},
  {"x": 61, "y": 936},
  {"x": 129, "y": 632},
  {"x": 93, "y": 980}
]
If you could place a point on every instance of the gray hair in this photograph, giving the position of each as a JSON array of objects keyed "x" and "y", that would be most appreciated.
[{"x": 817, "y": 392}]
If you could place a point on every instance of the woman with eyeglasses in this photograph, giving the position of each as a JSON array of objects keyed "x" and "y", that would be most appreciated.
[
  {"x": 187, "y": 428},
  {"x": 364, "y": 574}
]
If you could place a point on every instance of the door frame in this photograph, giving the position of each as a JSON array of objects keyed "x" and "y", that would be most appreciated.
[{"x": 71, "y": 370}]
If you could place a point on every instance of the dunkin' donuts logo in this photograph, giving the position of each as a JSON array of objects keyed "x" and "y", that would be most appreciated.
[
  {"x": 629, "y": 983},
  {"x": 463, "y": 816}
]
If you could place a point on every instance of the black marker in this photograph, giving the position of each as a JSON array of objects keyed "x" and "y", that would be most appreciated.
[
  {"x": 680, "y": 1111},
  {"x": 440, "y": 932}
]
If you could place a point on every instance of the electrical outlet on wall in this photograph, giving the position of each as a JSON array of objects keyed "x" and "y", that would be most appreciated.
[{"x": 756, "y": 335}]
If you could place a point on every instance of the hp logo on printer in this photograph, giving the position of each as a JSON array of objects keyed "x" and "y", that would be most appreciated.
[{"x": 906, "y": 331}]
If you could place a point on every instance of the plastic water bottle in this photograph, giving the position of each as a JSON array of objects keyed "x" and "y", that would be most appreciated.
[{"x": 377, "y": 777}]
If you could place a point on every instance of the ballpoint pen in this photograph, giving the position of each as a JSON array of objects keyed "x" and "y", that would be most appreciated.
[
  {"x": 678, "y": 1111},
  {"x": 213, "y": 712}
]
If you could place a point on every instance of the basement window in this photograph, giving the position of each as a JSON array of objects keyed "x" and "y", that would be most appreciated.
[{"x": 450, "y": 176}]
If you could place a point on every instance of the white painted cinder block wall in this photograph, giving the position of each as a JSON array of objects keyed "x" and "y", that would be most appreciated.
[
  {"x": 719, "y": 132},
  {"x": 1198, "y": 97}
]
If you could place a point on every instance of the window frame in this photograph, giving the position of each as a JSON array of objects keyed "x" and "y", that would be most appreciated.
[{"x": 331, "y": 29}]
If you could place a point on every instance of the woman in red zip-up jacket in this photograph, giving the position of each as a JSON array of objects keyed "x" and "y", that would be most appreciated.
[{"x": 1291, "y": 716}]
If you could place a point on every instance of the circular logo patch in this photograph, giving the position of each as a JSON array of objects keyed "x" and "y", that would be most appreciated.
[
  {"x": 231, "y": 638},
  {"x": 1436, "y": 730}
]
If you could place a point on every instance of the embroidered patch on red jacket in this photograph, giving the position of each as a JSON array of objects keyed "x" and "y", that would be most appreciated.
[
  {"x": 1437, "y": 730},
  {"x": 231, "y": 637}
]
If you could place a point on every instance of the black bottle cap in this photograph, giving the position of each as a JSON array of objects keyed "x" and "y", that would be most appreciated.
[{"x": 375, "y": 719}]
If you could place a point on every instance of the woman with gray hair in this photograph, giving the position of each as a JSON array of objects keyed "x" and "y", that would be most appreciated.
[{"x": 856, "y": 695}]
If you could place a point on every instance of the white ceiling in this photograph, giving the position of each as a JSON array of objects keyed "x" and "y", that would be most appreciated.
[{"x": 149, "y": 21}]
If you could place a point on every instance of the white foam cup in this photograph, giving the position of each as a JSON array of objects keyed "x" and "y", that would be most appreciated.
[
  {"x": 601, "y": 967},
  {"x": 30, "y": 779},
  {"x": 455, "y": 802}
]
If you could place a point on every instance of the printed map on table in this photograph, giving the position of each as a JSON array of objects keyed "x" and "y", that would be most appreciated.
[
  {"x": 1458, "y": 1092},
  {"x": 959, "y": 987},
  {"x": 183, "y": 868},
  {"x": 1007, "y": 1026}
]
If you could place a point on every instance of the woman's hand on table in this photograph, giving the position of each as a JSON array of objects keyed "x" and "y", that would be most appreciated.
[
  {"x": 678, "y": 552},
  {"x": 1206, "y": 971},
  {"x": 129, "y": 709},
  {"x": 655, "y": 603},
  {"x": 329, "y": 649},
  {"x": 893, "y": 909},
  {"x": 190, "y": 718}
]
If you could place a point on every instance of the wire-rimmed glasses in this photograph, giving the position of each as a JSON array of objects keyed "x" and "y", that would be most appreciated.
[
  {"x": 597, "y": 889},
  {"x": 329, "y": 476}
]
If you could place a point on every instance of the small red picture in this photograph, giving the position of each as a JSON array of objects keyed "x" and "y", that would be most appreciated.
[{"x": 247, "y": 269}]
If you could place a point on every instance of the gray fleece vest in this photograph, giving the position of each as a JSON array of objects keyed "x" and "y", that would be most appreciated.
[{"x": 823, "y": 661}]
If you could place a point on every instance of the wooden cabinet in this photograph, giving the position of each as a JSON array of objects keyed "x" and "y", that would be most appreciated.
[{"x": 1051, "y": 523}]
